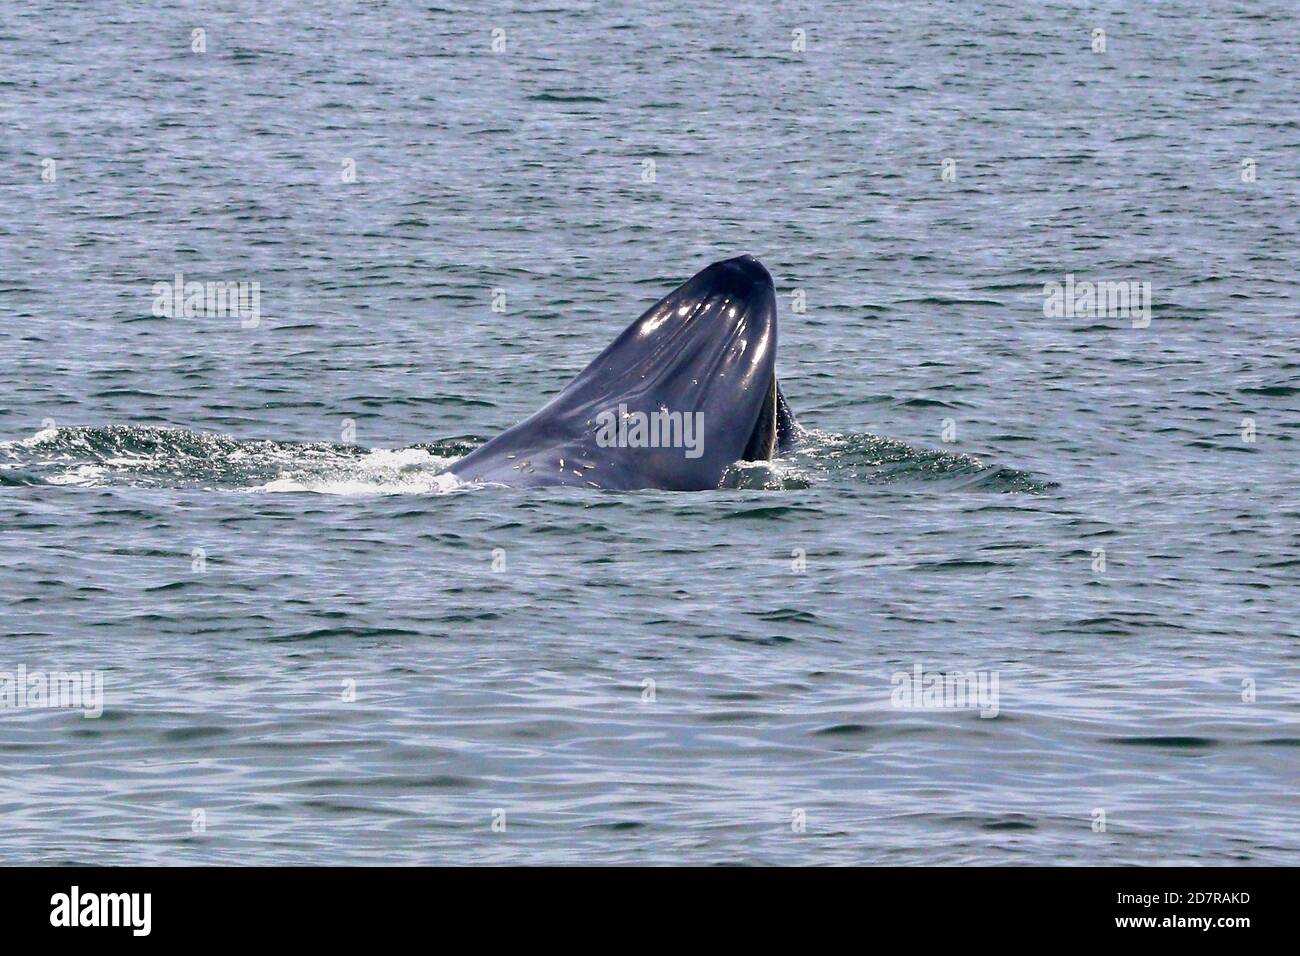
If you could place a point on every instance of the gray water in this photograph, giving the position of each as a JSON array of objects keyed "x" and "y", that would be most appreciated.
[{"x": 241, "y": 529}]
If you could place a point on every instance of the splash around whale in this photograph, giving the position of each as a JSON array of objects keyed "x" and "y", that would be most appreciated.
[{"x": 686, "y": 390}]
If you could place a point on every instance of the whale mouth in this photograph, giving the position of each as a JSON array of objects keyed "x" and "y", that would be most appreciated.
[
  {"x": 720, "y": 360},
  {"x": 746, "y": 279},
  {"x": 774, "y": 429},
  {"x": 685, "y": 390}
]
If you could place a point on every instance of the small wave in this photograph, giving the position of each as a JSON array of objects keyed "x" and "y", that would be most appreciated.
[
  {"x": 824, "y": 456},
  {"x": 779, "y": 474}
]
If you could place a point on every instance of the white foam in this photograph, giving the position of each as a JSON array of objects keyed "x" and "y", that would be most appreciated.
[
  {"x": 81, "y": 475},
  {"x": 404, "y": 471}
]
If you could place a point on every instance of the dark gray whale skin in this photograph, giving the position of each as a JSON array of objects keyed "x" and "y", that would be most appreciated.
[{"x": 709, "y": 346}]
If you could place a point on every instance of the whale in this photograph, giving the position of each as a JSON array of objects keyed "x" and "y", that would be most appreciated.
[{"x": 680, "y": 395}]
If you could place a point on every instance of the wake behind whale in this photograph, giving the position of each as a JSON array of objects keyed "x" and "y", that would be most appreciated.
[{"x": 166, "y": 459}]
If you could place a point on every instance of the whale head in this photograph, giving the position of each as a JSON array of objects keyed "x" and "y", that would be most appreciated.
[{"x": 684, "y": 391}]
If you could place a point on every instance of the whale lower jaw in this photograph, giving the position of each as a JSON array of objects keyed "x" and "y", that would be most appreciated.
[{"x": 774, "y": 431}]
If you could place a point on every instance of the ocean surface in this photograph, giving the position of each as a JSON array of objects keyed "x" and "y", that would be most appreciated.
[{"x": 314, "y": 649}]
